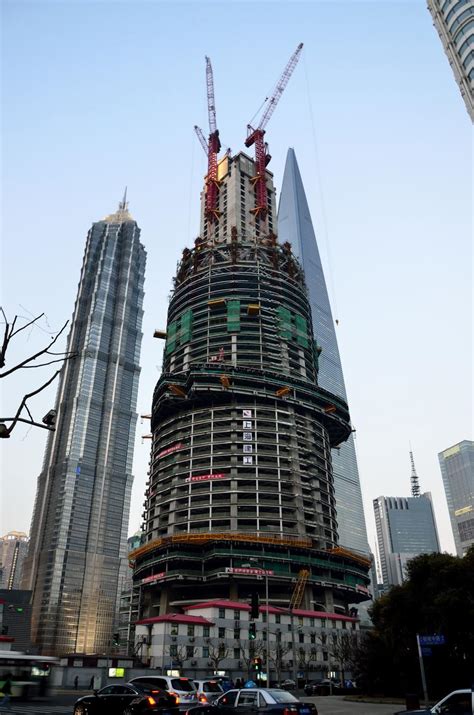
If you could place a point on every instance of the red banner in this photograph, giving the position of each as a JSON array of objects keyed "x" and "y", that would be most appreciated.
[
  {"x": 255, "y": 571},
  {"x": 174, "y": 448},
  {"x": 206, "y": 477},
  {"x": 155, "y": 577}
]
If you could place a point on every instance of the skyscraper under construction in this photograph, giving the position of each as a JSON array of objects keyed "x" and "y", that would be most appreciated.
[{"x": 241, "y": 471}]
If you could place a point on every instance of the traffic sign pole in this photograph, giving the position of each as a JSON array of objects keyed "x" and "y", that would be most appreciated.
[{"x": 422, "y": 670}]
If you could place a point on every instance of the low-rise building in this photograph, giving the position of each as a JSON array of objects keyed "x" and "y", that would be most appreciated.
[{"x": 220, "y": 635}]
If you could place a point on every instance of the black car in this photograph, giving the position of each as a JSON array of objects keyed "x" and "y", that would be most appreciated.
[
  {"x": 248, "y": 701},
  {"x": 126, "y": 699}
]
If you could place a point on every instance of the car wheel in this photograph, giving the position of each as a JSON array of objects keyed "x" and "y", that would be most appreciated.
[
  {"x": 127, "y": 711},
  {"x": 80, "y": 710}
]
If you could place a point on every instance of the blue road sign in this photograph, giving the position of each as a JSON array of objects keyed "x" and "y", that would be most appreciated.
[{"x": 434, "y": 639}]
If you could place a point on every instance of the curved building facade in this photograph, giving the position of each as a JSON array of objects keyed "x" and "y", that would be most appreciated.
[
  {"x": 241, "y": 469},
  {"x": 454, "y": 20},
  {"x": 296, "y": 227}
]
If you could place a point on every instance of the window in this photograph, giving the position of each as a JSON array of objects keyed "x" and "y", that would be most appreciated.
[
  {"x": 236, "y": 653},
  {"x": 301, "y": 637},
  {"x": 206, "y": 631},
  {"x": 221, "y": 612},
  {"x": 277, "y": 618},
  {"x": 221, "y": 633},
  {"x": 174, "y": 629},
  {"x": 190, "y": 630},
  {"x": 205, "y": 652},
  {"x": 189, "y": 651},
  {"x": 236, "y": 634},
  {"x": 247, "y": 699},
  {"x": 236, "y": 615}
]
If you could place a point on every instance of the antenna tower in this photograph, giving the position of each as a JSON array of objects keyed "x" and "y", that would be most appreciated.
[{"x": 415, "y": 484}]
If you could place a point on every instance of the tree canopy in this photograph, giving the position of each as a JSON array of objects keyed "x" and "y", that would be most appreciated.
[{"x": 436, "y": 598}]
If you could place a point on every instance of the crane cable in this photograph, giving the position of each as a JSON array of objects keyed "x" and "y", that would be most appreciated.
[{"x": 320, "y": 187}]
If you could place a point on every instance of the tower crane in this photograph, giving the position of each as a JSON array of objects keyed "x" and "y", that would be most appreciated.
[
  {"x": 212, "y": 148},
  {"x": 256, "y": 136}
]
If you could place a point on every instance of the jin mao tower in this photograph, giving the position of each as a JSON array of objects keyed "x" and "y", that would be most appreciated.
[{"x": 78, "y": 546}]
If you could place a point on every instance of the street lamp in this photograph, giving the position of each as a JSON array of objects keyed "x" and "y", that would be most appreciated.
[{"x": 267, "y": 629}]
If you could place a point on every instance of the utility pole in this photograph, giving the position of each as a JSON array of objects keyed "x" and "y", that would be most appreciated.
[{"x": 422, "y": 671}]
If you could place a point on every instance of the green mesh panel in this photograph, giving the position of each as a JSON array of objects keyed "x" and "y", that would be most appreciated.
[
  {"x": 284, "y": 318},
  {"x": 171, "y": 337},
  {"x": 301, "y": 331},
  {"x": 186, "y": 326},
  {"x": 233, "y": 316}
]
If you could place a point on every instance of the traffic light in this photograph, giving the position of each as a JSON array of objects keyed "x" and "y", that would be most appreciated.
[
  {"x": 254, "y": 606},
  {"x": 116, "y": 639},
  {"x": 257, "y": 664},
  {"x": 252, "y": 631}
]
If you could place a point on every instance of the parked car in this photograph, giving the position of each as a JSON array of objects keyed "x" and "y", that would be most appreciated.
[
  {"x": 322, "y": 687},
  {"x": 183, "y": 689},
  {"x": 224, "y": 681},
  {"x": 267, "y": 700},
  {"x": 208, "y": 690},
  {"x": 459, "y": 702},
  {"x": 126, "y": 699},
  {"x": 288, "y": 684}
]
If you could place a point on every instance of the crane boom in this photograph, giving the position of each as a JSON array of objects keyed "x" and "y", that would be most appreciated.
[
  {"x": 280, "y": 87},
  {"x": 256, "y": 136},
  {"x": 211, "y": 103},
  {"x": 201, "y": 138}
]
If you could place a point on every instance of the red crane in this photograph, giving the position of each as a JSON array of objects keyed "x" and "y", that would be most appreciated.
[
  {"x": 256, "y": 136},
  {"x": 212, "y": 150}
]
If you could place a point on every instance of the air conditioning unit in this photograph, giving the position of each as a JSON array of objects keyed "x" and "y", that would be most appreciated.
[
  {"x": 194, "y": 662},
  {"x": 173, "y": 638},
  {"x": 209, "y": 662},
  {"x": 191, "y": 639}
]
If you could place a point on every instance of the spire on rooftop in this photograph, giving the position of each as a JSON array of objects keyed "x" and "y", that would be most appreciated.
[
  {"x": 415, "y": 484},
  {"x": 122, "y": 213}
]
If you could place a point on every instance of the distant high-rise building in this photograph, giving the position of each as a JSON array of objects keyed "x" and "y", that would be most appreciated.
[
  {"x": 295, "y": 226},
  {"x": 406, "y": 527},
  {"x": 78, "y": 550},
  {"x": 454, "y": 21},
  {"x": 13, "y": 549},
  {"x": 457, "y": 470}
]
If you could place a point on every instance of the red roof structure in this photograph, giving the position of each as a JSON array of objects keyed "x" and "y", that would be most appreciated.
[
  {"x": 220, "y": 603},
  {"x": 175, "y": 618}
]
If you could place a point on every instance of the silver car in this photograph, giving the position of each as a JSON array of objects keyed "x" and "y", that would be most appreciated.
[{"x": 208, "y": 690}]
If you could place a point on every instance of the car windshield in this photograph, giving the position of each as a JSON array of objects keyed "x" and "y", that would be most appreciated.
[
  {"x": 211, "y": 687},
  {"x": 182, "y": 684},
  {"x": 281, "y": 696}
]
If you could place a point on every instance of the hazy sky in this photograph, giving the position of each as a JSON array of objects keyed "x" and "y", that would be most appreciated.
[{"x": 99, "y": 95}]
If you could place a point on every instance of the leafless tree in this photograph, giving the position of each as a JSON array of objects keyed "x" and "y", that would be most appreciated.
[
  {"x": 343, "y": 650},
  {"x": 305, "y": 658},
  {"x": 276, "y": 652},
  {"x": 179, "y": 653},
  {"x": 218, "y": 651},
  {"x": 249, "y": 650},
  {"x": 41, "y": 358}
]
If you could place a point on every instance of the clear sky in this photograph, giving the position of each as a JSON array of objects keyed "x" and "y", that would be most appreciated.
[{"x": 99, "y": 95}]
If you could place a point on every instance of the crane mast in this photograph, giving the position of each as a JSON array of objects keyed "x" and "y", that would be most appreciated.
[
  {"x": 256, "y": 136},
  {"x": 211, "y": 148}
]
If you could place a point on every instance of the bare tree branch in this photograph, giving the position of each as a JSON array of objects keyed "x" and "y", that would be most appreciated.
[
  {"x": 23, "y": 327},
  {"x": 32, "y": 357},
  {"x": 26, "y": 397}
]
